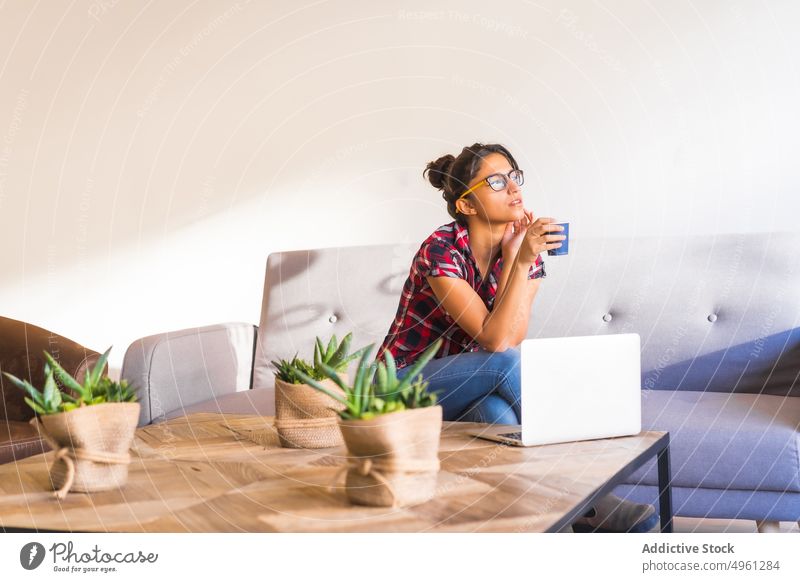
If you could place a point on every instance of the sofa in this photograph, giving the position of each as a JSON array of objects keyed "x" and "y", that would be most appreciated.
[
  {"x": 21, "y": 354},
  {"x": 717, "y": 317}
]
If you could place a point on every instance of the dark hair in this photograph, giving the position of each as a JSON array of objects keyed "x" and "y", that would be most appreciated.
[{"x": 452, "y": 174}]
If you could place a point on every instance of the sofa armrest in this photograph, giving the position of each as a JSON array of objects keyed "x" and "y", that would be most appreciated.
[
  {"x": 21, "y": 354},
  {"x": 173, "y": 370}
]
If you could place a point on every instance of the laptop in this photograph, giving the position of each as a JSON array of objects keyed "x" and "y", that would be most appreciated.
[{"x": 575, "y": 388}]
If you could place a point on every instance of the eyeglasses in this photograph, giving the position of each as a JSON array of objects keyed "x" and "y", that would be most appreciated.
[{"x": 499, "y": 181}]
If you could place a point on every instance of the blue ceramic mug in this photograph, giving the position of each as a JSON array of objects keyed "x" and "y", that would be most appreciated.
[{"x": 564, "y": 248}]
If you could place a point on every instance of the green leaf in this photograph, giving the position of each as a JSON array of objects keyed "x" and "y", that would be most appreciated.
[
  {"x": 334, "y": 375},
  {"x": 318, "y": 351},
  {"x": 36, "y": 407},
  {"x": 99, "y": 366},
  {"x": 360, "y": 373},
  {"x": 391, "y": 366},
  {"x": 331, "y": 349},
  {"x": 364, "y": 353},
  {"x": 341, "y": 353},
  {"x": 382, "y": 378},
  {"x": 49, "y": 392},
  {"x": 426, "y": 356},
  {"x": 56, "y": 402},
  {"x": 66, "y": 379},
  {"x": 311, "y": 382},
  {"x": 358, "y": 388},
  {"x": 369, "y": 393},
  {"x": 24, "y": 385},
  {"x": 67, "y": 397},
  {"x": 356, "y": 354}
]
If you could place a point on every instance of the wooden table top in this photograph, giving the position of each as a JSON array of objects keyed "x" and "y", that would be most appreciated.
[{"x": 205, "y": 473}]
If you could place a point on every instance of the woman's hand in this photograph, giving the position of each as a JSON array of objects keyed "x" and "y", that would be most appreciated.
[
  {"x": 540, "y": 237},
  {"x": 514, "y": 235}
]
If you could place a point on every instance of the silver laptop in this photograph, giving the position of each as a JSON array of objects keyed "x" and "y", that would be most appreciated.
[{"x": 576, "y": 388}]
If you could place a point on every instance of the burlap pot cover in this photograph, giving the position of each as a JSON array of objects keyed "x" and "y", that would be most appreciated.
[
  {"x": 91, "y": 445},
  {"x": 394, "y": 458},
  {"x": 305, "y": 418}
]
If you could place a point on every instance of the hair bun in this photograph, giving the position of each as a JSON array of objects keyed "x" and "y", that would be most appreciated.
[{"x": 438, "y": 171}]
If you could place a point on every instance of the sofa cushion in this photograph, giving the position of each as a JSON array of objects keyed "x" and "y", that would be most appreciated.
[
  {"x": 19, "y": 440},
  {"x": 260, "y": 402},
  {"x": 172, "y": 371},
  {"x": 725, "y": 441},
  {"x": 766, "y": 364},
  {"x": 721, "y": 503}
]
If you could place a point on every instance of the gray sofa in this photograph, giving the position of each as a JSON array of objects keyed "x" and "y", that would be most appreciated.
[{"x": 717, "y": 316}]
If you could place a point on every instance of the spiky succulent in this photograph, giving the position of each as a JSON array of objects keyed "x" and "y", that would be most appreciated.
[
  {"x": 95, "y": 389},
  {"x": 335, "y": 356},
  {"x": 366, "y": 398},
  {"x": 287, "y": 370}
]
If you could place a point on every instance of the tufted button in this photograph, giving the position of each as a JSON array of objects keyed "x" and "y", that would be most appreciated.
[
  {"x": 607, "y": 317},
  {"x": 333, "y": 318},
  {"x": 712, "y": 318}
]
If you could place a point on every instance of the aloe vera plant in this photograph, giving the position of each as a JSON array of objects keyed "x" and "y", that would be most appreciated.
[
  {"x": 287, "y": 370},
  {"x": 335, "y": 356},
  {"x": 95, "y": 389},
  {"x": 377, "y": 389}
]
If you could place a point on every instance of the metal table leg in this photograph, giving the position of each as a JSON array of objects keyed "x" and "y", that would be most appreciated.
[{"x": 665, "y": 489}]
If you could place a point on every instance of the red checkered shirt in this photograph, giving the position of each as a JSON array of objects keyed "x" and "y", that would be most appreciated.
[{"x": 420, "y": 319}]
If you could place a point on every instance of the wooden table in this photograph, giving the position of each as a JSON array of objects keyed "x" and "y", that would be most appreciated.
[{"x": 205, "y": 473}]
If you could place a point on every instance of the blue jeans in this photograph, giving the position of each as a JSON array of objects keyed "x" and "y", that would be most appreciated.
[{"x": 476, "y": 386}]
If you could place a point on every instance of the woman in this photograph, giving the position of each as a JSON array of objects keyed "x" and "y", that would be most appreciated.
[{"x": 472, "y": 283}]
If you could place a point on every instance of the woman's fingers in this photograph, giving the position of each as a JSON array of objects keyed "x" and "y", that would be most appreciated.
[
  {"x": 531, "y": 218},
  {"x": 549, "y": 227}
]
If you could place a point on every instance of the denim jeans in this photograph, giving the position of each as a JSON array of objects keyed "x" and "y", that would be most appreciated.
[{"x": 476, "y": 386}]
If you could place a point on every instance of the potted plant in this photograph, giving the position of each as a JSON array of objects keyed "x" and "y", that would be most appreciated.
[
  {"x": 304, "y": 417},
  {"x": 89, "y": 425},
  {"x": 391, "y": 428}
]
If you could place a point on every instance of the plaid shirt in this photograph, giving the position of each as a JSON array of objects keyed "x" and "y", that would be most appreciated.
[{"x": 420, "y": 319}]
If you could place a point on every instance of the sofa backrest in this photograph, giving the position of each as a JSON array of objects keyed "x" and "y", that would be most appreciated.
[
  {"x": 21, "y": 355},
  {"x": 716, "y": 313}
]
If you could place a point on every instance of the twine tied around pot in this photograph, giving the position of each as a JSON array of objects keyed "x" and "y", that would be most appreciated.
[
  {"x": 281, "y": 423},
  {"x": 70, "y": 454},
  {"x": 379, "y": 468}
]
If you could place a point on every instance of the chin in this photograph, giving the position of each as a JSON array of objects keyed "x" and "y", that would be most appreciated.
[{"x": 517, "y": 211}]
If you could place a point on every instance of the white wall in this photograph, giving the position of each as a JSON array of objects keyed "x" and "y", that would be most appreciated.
[{"x": 153, "y": 154}]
